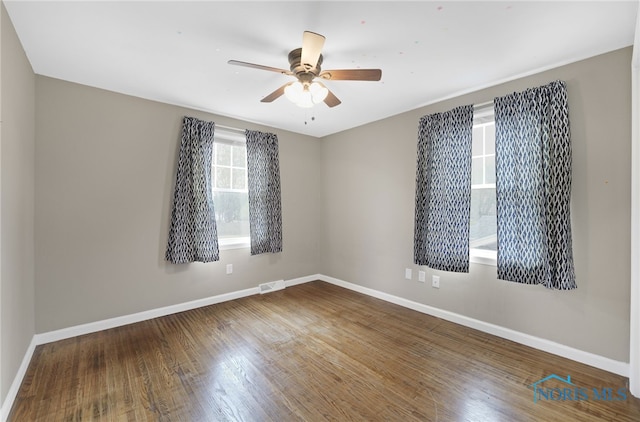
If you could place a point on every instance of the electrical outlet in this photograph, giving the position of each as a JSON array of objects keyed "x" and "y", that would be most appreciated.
[
  {"x": 407, "y": 273},
  {"x": 421, "y": 276},
  {"x": 435, "y": 281},
  {"x": 229, "y": 268}
]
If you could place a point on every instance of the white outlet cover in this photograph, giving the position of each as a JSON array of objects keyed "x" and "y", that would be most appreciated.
[
  {"x": 408, "y": 273},
  {"x": 422, "y": 276},
  {"x": 229, "y": 268},
  {"x": 435, "y": 281}
]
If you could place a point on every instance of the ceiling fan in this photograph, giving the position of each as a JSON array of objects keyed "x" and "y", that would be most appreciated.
[{"x": 305, "y": 66}]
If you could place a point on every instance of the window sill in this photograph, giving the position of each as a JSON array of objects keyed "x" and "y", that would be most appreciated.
[
  {"x": 234, "y": 243},
  {"x": 483, "y": 257}
]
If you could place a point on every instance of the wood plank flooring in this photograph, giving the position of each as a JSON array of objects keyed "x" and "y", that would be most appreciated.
[{"x": 311, "y": 352}]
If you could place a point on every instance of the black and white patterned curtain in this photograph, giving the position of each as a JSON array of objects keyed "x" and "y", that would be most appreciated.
[
  {"x": 443, "y": 190},
  {"x": 265, "y": 211},
  {"x": 533, "y": 187},
  {"x": 193, "y": 235}
]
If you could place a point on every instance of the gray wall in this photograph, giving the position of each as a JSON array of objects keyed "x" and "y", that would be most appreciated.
[
  {"x": 368, "y": 178},
  {"x": 17, "y": 143},
  {"x": 105, "y": 168}
]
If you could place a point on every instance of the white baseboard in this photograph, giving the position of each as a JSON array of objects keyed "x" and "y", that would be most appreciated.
[
  {"x": 597, "y": 361},
  {"x": 302, "y": 280},
  {"x": 601, "y": 362},
  {"x": 17, "y": 381},
  {"x": 106, "y": 324}
]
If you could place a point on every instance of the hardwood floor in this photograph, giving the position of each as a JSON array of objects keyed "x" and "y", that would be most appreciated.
[{"x": 310, "y": 352}]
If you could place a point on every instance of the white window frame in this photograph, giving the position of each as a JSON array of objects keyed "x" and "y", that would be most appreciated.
[
  {"x": 483, "y": 116},
  {"x": 230, "y": 137}
]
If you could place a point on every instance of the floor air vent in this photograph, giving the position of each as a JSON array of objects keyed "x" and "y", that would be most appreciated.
[{"x": 272, "y": 286}]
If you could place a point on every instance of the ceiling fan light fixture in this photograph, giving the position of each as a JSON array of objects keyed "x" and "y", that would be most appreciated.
[
  {"x": 305, "y": 100},
  {"x": 318, "y": 92},
  {"x": 293, "y": 91},
  {"x": 300, "y": 95}
]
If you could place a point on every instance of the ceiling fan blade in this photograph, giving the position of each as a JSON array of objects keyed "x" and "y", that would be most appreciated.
[
  {"x": 259, "y": 66},
  {"x": 312, "y": 44},
  {"x": 331, "y": 100},
  {"x": 275, "y": 94},
  {"x": 352, "y": 75}
]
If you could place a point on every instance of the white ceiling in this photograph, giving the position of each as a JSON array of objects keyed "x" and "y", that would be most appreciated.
[{"x": 177, "y": 52}]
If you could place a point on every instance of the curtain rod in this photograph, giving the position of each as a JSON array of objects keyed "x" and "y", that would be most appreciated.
[
  {"x": 229, "y": 128},
  {"x": 485, "y": 104}
]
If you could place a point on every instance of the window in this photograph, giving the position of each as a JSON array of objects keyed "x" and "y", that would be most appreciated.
[
  {"x": 483, "y": 240},
  {"x": 230, "y": 195}
]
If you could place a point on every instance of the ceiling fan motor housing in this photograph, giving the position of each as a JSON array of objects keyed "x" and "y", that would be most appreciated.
[{"x": 304, "y": 71}]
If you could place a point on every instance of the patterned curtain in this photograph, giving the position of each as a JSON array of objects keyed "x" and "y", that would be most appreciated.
[
  {"x": 533, "y": 187},
  {"x": 193, "y": 235},
  {"x": 265, "y": 213},
  {"x": 443, "y": 190}
]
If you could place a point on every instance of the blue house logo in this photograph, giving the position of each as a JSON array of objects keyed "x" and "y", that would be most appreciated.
[
  {"x": 540, "y": 390},
  {"x": 568, "y": 391}
]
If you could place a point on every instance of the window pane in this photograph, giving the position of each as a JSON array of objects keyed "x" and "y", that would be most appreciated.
[
  {"x": 476, "y": 171},
  {"x": 483, "y": 228},
  {"x": 490, "y": 169},
  {"x": 239, "y": 179},
  {"x": 223, "y": 154},
  {"x": 223, "y": 178},
  {"x": 232, "y": 214},
  {"x": 239, "y": 156},
  {"x": 490, "y": 139},
  {"x": 476, "y": 144}
]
